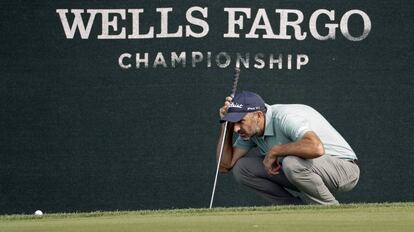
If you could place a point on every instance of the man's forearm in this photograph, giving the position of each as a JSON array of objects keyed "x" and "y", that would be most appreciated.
[
  {"x": 309, "y": 147},
  {"x": 227, "y": 155}
]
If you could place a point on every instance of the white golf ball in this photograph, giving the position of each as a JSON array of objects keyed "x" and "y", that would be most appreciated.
[{"x": 38, "y": 213}]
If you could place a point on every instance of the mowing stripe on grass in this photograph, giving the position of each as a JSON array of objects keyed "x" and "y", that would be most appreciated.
[{"x": 355, "y": 217}]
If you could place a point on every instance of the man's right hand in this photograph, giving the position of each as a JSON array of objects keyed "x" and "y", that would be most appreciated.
[{"x": 223, "y": 109}]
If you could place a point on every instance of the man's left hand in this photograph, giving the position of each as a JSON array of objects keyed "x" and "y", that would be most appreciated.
[{"x": 271, "y": 165}]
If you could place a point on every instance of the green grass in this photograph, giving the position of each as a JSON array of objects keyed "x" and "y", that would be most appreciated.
[{"x": 354, "y": 217}]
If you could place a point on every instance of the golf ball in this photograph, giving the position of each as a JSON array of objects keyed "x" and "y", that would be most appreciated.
[{"x": 38, "y": 213}]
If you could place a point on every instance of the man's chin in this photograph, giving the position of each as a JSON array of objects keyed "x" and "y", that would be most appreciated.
[{"x": 245, "y": 138}]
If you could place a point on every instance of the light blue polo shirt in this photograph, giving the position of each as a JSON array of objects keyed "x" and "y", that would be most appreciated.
[{"x": 288, "y": 123}]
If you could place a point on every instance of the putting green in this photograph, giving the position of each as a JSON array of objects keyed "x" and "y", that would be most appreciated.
[{"x": 356, "y": 217}]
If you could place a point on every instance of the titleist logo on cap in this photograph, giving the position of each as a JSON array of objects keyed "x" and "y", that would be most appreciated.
[{"x": 235, "y": 105}]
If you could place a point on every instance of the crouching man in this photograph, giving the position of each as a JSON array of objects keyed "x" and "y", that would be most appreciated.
[{"x": 300, "y": 151}]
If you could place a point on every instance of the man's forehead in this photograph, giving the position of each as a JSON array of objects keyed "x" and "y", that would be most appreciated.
[{"x": 248, "y": 115}]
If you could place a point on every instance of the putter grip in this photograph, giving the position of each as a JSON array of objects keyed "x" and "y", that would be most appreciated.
[{"x": 235, "y": 80}]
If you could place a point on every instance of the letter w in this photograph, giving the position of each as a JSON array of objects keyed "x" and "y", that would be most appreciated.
[{"x": 77, "y": 22}]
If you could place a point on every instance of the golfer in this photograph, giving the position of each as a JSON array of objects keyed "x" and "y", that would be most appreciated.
[{"x": 304, "y": 160}]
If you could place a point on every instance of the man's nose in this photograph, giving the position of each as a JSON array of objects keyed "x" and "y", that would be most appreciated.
[{"x": 236, "y": 127}]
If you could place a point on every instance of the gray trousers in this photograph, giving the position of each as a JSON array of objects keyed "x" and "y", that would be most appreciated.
[{"x": 317, "y": 180}]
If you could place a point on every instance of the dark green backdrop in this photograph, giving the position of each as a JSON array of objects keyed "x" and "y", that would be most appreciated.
[{"x": 78, "y": 133}]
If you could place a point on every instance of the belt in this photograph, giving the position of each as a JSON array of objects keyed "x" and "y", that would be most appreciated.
[{"x": 355, "y": 161}]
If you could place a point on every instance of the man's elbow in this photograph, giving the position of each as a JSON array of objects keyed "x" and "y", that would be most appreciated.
[
  {"x": 315, "y": 143},
  {"x": 319, "y": 149},
  {"x": 225, "y": 166},
  {"x": 224, "y": 169}
]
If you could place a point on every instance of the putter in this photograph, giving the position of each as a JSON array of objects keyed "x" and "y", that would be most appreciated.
[{"x": 233, "y": 93}]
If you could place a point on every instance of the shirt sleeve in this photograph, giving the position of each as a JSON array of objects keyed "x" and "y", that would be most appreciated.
[
  {"x": 294, "y": 126},
  {"x": 244, "y": 144}
]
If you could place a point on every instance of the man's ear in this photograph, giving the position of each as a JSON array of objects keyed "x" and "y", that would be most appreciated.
[{"x": 260, "y": 114}]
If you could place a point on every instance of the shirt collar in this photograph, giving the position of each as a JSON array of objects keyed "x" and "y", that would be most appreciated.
[{"x": 269, "y": 122}]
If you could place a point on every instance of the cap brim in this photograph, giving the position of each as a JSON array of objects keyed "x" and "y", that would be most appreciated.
[{"x": 234, "y": 116}]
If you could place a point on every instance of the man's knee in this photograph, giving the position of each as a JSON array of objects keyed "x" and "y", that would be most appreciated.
[
  {"x": 239, "y": 170},
  {"x": 294, "y": 168}
]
